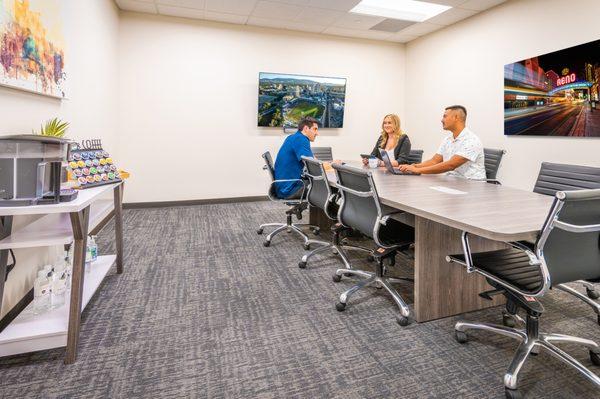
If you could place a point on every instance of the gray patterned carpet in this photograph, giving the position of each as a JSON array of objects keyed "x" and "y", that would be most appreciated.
[{"x": 204, "y": 310}]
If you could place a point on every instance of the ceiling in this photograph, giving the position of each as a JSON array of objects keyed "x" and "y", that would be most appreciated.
[{"x": 317, "y": 16}]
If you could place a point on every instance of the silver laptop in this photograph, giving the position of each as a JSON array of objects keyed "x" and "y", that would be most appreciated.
[{"x": 388, "y": 164}]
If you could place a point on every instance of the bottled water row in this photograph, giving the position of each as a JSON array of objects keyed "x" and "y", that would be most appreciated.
[{"x": 53, "y": 283}]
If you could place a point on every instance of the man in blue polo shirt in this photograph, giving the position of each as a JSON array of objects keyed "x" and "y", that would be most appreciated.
[{"x": 289, "y": 162}]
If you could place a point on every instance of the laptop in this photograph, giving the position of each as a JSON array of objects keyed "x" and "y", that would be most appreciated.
[{"x": 388, "y": 164}]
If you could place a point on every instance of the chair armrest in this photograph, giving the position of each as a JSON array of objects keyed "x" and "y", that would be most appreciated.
[
  {"x": 533, "y": 260},
  {"x": 385, "y": 217}
]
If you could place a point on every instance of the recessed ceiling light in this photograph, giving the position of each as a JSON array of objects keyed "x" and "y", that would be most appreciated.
[{"x": 408, "y": 10}]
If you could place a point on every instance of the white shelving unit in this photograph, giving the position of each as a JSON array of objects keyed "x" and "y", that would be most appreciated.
[
  {"x": 30, "y": 332},
  {"x": 33, "y": 332}
]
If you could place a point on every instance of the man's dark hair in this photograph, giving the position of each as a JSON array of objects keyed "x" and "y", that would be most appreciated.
[
  {"x": 459, "y": 108},
  {"x": 307, "y": 121}
]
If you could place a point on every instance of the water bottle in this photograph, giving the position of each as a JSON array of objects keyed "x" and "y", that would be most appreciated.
[
  {"x": 58, "y": 286},
  {"x": 41, "y": 292},
  {"x": 93, "y": 248}
]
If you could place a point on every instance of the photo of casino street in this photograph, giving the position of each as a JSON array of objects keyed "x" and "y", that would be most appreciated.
[
  {"x": 555, "y": 94},
  {"x": 285, "y": 99}
]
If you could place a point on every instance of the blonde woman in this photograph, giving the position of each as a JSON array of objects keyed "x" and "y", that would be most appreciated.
[{"x": 392, "y": 140}]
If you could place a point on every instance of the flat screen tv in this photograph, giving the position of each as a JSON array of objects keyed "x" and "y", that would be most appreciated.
[
  {"x": 284, "y": 99},
  {"x": 554, "y": 94}
]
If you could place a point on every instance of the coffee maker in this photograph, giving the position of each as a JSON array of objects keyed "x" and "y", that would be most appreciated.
[{"x": 30, "y": 169}]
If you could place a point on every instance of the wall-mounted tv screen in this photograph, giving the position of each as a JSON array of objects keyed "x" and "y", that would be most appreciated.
[
  {"x": 554, "y": 94},
  {"x": 284, "y": 99}
]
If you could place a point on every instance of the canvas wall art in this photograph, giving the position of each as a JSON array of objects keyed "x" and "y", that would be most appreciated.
[
  {"x": 32, "y": 48},
  {"x": 554, "y": 94}
]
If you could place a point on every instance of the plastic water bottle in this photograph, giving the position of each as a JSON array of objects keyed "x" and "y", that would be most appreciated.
[
  {"x": 58, "y": 286},
  {"x": 41, "y": 292},
  {"x": 93, "y": 248}
]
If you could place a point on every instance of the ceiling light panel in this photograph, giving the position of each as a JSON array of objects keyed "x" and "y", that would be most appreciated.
[{"x": 408, "y": 10}]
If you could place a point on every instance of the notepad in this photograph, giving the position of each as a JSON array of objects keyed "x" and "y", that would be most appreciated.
[{"x": 447, "y": 190}]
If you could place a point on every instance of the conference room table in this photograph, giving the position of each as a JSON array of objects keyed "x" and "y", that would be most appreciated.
[{"x": 443, "y": 207}]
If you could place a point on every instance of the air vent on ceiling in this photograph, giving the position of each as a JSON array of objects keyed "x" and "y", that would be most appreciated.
[{"x": 392, "y": 25}]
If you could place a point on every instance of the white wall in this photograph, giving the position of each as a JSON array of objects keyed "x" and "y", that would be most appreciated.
[
  {"x": 463, "y": 64},
  {"x": 91, "y": 34},
  {"x": 189, "y": 92}
]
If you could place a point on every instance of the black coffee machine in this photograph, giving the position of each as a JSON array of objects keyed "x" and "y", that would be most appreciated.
[{"x": 31, "y": 169}]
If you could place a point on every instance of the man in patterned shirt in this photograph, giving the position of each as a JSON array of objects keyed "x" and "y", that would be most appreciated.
[{"x": 461, "y": 151}]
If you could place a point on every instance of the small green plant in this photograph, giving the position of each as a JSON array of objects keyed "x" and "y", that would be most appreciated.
[{"x": 54, "y": 127}]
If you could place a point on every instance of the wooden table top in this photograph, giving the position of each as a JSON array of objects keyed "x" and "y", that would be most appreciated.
[{"x": 492, "y": 211}]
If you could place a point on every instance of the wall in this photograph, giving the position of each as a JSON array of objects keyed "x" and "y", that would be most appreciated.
[
  {"x": 463, "y": 64},
  {"x": 91, "y": 33},
  {"x": 189, "y": 93}
]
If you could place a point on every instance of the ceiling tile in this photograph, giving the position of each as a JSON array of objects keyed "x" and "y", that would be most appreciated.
[
  {"x": 295, "y": 2},
  {"x": 420, "y": 29},
  {"x": 451, "y": 3},
  {"x": 180, "y": 12},
  {"x": 238, "y": 7},
  {"x": 364, "y": 34},
  {"x": 319, "y": 16},
  {"x": 400, "y": 38},
  {"x": 451, "y": 16},
  {"x": 139, "y": 6},
  {"x": 281, "y": 24},
  {"x": 340, "y": 5},
  {"x": 196, "y": 4},
  {"x": 269, "y": 9},
  {"x": 392, "y": 25},
  {"x": 222, "y": 17},
  {"x": 481, "y": 5},
  {"x": 356, "y": 21}
]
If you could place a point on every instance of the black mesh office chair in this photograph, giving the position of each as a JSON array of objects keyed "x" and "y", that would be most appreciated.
[
  {"x": 322, "y": 153},
  {"x": 555, "y": 177},
  {"x": 566, "y": 250},
  {"x": 321, "y": 196},
  {"x": 361, "y": 210},
  {"x": 415, "y": 156},
  {"x": 492, "y": 158},
  {"x": 297, "y": 206}
]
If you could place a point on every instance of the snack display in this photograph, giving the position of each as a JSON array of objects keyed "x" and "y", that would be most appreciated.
[{"x": 92, "y": 167}]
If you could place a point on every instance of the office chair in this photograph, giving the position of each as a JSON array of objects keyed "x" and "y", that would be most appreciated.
[
  {"x": 555, "y": 177},
  {"x": 322, "y": 153},
  {"x": 567, "y": 250},
  {"x": 297, "y": 206},
  {"x": 321, "y": 196},
  {"x": 492, "y": 158},
  {"x": 415, "y": 156},
  {"x": 362, "y": 210}
]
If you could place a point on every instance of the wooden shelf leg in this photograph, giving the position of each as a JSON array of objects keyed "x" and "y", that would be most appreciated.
[
  {"x": 118, "y": 196},
  {"x": 5, "y": 230},
  {"x": 79, "y": 222}
]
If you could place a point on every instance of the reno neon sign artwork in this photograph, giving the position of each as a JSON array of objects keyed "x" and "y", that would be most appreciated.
[{"x": 565, "y": 80}]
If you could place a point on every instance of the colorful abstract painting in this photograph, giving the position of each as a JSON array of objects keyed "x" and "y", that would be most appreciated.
[{"x": 32, "y": 46}]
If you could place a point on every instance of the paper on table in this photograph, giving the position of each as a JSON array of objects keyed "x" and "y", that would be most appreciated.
[{"x": 447, "y": 190}]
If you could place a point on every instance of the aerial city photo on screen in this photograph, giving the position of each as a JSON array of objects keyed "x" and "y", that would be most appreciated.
[
  {"x": 554, "y": 94},
  {"x": 284, "y": 99}
]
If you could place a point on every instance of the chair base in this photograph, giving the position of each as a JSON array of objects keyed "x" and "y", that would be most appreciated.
[
  {"x": 374, "y": 278},
  {"x": 587, "y": 299},
  {"x": 289, "y": 226},
  {"x": 338, "y": 249},
  {"x": 530, "y": 343}
]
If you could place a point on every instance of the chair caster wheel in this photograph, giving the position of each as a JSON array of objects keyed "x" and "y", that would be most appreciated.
[
  {"x": 512, "y": 394},
  {"x": 336, "y": 278},
  {"x": 306, "y": 246},
  {"x": 593, "y": 294},
  {"x": 340, "y": 307},
  {"x": 508, "y": 321},
  {"x": 259, "y": 231},
  {"x": 317, "y": 232},
  {"x": 461, "y": 337},
  {"x": 595, "y": 358},
  {"x": 302, "y": 265},
  {"x": 370, "y": 258},
  {"x": 402, "y": 320},
  {"x": 266, "y": 243}
]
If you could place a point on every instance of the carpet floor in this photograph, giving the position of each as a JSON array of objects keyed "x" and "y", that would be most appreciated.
[{"x": 203, "y": 310}]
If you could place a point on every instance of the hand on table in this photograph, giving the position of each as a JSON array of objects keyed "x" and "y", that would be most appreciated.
[
  {"x": 365, "y": 161},
  {"x": 408, "y": 168}
]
